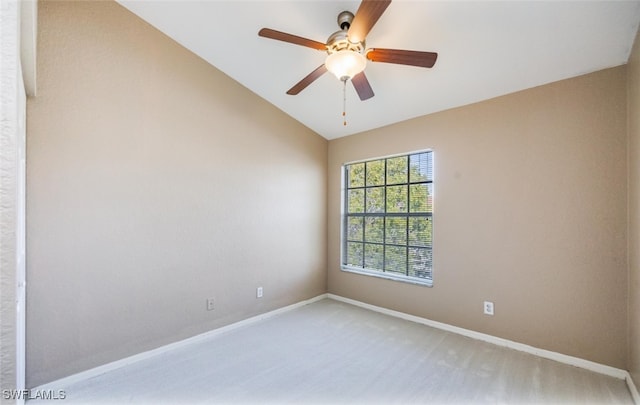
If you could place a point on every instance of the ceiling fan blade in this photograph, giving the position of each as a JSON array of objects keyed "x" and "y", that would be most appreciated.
[
  {"x": 293, "y": 39},
  {"x": 402, "y": 57},
  {"x": 310, "y": 78},
  {"x": 363, "y": 88},
  {"x": 365, "y": 18}
]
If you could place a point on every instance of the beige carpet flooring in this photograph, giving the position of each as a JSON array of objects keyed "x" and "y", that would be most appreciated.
[{"x": 329, "y": 352}]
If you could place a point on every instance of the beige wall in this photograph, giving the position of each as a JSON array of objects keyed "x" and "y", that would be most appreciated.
[
  {"x": 530, "y": 213},
  {"x": 155, "y": 182},
  {"x": 633, "y": 80}
]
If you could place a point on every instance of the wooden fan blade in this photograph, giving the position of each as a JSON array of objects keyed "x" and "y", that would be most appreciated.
[
  {"x": 365, "y": 18},
  {"x": 293, "y": 39},
  {"x": 310, "y": 78},
  {"x": 363, "y": 88},
  {"x": 402, "y": 57}
]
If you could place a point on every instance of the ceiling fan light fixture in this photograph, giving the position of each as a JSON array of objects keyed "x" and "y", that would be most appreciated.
[{"x": 345, "y": 64}]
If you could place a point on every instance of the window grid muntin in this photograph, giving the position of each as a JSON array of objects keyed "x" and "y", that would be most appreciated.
[{"x": 409, "y": 248}]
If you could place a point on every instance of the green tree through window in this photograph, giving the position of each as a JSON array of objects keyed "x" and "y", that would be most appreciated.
[{"x": 388, "y": 219}]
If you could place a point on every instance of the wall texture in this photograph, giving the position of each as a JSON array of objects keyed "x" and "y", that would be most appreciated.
[
  {"x": 530, "y": 213},
  {"x": 633, "y": 111},
  {"x": 10, "y": 85},
  {"x": 154, "y": 183}
]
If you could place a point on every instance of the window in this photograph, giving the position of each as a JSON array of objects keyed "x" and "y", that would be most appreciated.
[{"x": 387, "y": 224}]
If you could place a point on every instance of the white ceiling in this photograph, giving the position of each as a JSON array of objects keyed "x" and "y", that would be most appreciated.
[{"x": 486, "y": 49}]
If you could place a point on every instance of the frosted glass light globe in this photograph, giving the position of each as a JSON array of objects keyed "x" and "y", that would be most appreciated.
[{"x": 345, "y": 64}]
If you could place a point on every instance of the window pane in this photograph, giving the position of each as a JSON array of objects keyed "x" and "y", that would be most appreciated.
[
  {"x": 421, "y": 196},
  {"x": 356, "y": 201},
  {"x": 375, "y": 173},
  {"x": 396, "y": 231},
  {"x": 420, "y": 167},
  {"x": 397, "y": 170},
  {"x": 387, "y": 224},
  {"x": 373, "y": 256},
  {"x": 375, "y": 199},
  {"x": 397, "y": 198},
  {"x": 355, "y": 229},
  {"x": 355, "y": 173},
  {"x": 420, "y": 231},
  {"x": 354, "y": 254},
  {"x": 374, "y": 229},
  {"x": 420, "y": 262},
  {"x": 396, "y": 259}
]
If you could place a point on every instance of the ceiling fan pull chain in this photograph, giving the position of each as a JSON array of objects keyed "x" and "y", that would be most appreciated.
[{"x": 344, "y": 102}]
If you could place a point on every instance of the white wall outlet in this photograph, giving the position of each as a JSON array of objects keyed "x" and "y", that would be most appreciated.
[
  {"x": 210, "y": 305},
  {"x": 488, "y": 308},
  {"x": 259, "y": 292}
]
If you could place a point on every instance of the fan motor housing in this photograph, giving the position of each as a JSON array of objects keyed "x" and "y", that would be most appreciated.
[{"x": 339, "y": 41}]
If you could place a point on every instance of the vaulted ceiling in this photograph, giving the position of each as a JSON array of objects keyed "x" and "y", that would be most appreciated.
[{"x": 485, "y": 49}]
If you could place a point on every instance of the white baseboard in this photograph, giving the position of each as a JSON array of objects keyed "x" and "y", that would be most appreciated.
[
  {"x": 93, "y": 372},
  {"x": 559, "y": 357},
  {"x": 632, "y": 388}
]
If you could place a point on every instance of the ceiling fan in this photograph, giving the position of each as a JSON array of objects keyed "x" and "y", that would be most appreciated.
[{"x": 347, "y": 55}]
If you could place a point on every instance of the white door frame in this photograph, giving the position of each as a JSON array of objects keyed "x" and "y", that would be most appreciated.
[{"x": 21, "y": 270}]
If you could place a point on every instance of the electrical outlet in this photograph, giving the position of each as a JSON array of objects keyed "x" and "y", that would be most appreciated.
[
  {"x": 488, "y": 308},
  {"x": 259, "y": 292},
  {"x": 210, "y": 305}
]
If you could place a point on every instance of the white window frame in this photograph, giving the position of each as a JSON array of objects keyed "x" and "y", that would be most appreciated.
[{"x": 423, "y": 281}]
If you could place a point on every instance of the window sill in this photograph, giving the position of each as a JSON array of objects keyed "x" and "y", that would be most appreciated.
[{"x": 388, "y": 276}]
